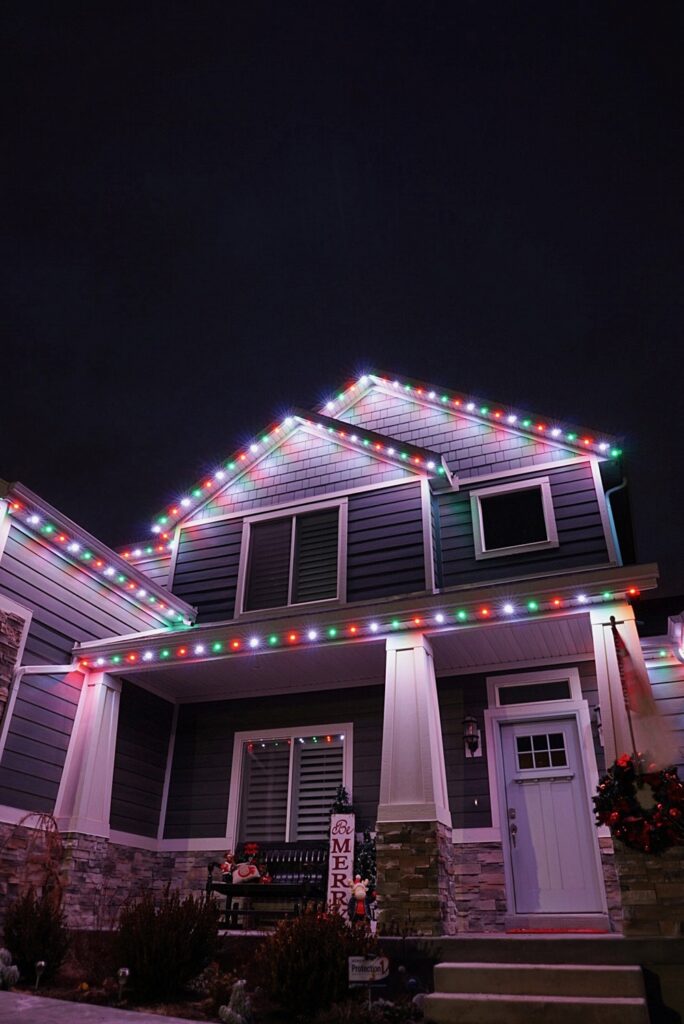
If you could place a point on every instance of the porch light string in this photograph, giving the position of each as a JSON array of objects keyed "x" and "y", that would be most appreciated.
[
  {"x": 96, "y": 561},
  {"x": 239, "y": 642}
]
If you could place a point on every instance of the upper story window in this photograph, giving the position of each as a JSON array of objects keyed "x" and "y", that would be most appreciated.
[
  {"x": 293, "y": 559},
  {"x": 513, "y": 518}
]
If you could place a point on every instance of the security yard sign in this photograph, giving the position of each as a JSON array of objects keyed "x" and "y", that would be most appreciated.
[{"x": 365, "y": 970}]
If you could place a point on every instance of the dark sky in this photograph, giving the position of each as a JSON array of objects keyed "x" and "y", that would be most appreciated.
[{"x": 214, "y": 211}]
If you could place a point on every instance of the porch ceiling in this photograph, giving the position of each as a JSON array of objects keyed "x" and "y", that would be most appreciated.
[{"x": 456, "y": 651}]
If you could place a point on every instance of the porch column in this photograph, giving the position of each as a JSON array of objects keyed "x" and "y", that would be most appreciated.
[
  {"x": 85, "y": 792},
  {"x": 616, "y": 737},
  {"x": 414, "y": 844}
]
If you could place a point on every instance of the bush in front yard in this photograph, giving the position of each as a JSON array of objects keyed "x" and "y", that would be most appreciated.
[
  {"x": 35, "y": 930},
  {"x": 166, "y": 940},
  {"x": 303, "y": 964}
]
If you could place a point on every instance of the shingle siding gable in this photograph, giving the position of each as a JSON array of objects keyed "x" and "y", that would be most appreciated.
[{"x": 471, "y": 448}]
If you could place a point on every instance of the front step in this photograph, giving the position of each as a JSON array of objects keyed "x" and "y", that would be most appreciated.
[
  {"x": 540, "y": 980},
  {"x": 486, "y": 993},
  {"x": 462, "y": 1008}
]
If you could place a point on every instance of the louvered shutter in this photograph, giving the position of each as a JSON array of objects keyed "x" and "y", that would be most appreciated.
[
  {"x": 268, "y": 574},
  {"x": 315, "y": 568},
  {"x": 263, "y": 815},
  {"x": 318, "y": 773}
]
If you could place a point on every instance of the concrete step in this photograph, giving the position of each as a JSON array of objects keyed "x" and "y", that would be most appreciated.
[
  {"x": 465, "y": 1008},
  {"x": 540, "y": 979}
]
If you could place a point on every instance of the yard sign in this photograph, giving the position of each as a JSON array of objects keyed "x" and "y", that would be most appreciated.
[{"x": 341, "y": 863}]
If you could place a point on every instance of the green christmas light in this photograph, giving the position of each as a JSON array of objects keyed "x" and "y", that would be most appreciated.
[
  {"x": 332, "y": 632},
  {"x": 116, "y": 659},
  {"x": 216, "y": 647},
  {"x": 461, "y": 615},
  {"x": 533, "y": 606},
  {"x": 165, "y": 653},
  {"x": 273, "y": 640}
]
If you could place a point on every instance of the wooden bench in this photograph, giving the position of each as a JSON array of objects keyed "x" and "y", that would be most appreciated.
[{"x": 299, "y": 873}]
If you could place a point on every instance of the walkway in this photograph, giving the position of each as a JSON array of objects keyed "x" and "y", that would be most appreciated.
[{"x": 19, "y": 1008}]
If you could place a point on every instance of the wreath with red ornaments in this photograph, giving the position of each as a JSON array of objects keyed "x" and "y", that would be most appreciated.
[{"x": 642, "y": 805}]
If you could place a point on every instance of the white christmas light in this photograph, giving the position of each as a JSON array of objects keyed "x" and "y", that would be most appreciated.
[
  {"x": 312, "y": 634},
  {"x": 508, "y": 609},
  {"x": 109, "y": 571},
  {"x": 430, "y": 465},
  {"x": 373, "y": 627},
  {"x": 34, "y": 520},
  {"x": 74, "y": 547},
  {"x": 431, "y": 394},
  {"x": 556, "y": 432},
  {"x": 603, "y": 446},
  {"x": 157, "y": 529},
  {"x": 142, "y": 593},
  {"x": 219, "y": 474},
  {"x": 99, "y": 661},
  {"x": 470, "y": 406},
  {"x": 199, "y": 648},
  {"x": 253, "y": 642},
  {"x": 582, "y": 598},
  {"x": 137, "y": 553},
  {"x": 148, "y": 656},
  {"x": 390, "y": 451},
  {"x": 512, "y": 418},
  {"x": 185, "y": 502}
]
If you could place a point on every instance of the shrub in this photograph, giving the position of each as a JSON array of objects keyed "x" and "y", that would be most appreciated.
[
  {"x": 303, "y": 964},
  {"x": 35, "y": 930},
  {"x": 214, "y": 985},
  {"x": 9, "y": 972},
  {"x": 166, "y": 941}
]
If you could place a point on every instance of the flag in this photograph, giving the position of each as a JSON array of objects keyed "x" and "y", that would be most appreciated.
[{"x": 649, "y": 729}]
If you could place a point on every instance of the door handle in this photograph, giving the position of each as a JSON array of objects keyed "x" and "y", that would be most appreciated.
[{"x": 513, "y": 829}]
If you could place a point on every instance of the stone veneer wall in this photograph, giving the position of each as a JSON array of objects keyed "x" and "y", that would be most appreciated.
[
  {"x": 11, "y": 627},
  {"x": 415, "y": 878},
  {"x": 479, "y": 888},
  {"x": 652, "y": 891},
  {"x": 98, "y": 876}
]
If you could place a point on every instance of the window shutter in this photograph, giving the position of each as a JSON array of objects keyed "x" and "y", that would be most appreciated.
[
  {"x": 315, "y": 569},
  {"x": 264, "y": 794},
  {"x": 269, "y": 564},
  {"x": 318, "y": 774}
]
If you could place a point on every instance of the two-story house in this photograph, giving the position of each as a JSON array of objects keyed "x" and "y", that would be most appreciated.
[{"x": 406, "y": 591}]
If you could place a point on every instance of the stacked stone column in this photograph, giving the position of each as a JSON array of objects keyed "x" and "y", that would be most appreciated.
[{"x": 414, "y": 845}]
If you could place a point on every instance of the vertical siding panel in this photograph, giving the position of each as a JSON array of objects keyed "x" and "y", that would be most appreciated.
[{"x": 467, "y": 778}]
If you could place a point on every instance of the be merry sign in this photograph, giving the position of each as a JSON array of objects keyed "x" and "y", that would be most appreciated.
[{"x": 341, "y": 862}]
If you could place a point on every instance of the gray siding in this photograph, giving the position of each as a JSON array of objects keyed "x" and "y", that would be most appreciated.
[
  {"x": 37, "y": 741},
  {"x": 467, "y": 779},
  {"x": 667, "y": 681},
  {"x": 157, "y": 568},
  {"x": 385, "y": 550},
  {"x": 581, "y": 538},
  {"x": 203, "y": 752},
  {"x": 207, "y": 568},
  {"x": 142, "y": 743},
  {"x": 67, "y": 605}
]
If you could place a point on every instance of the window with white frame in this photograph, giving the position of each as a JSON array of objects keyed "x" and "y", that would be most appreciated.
[
  {"x": 292, "y": 559},
  {"x": 288, "y": 781},
  {"x": 513, "y": 518}
]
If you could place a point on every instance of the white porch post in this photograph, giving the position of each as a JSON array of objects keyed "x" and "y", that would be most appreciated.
[
  {"x": 616, "y": 736},
  {"x": 412, "y": 778},
  {"x": 85, "y": 793}
]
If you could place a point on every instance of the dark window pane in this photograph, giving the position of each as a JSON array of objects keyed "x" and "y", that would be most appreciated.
[
  {"x": 315, "y": 569},
  {"x": 556, "y": 740},
  {"x": 516, "y": 517},
  {"x": 269, "y": 565},
  {"x": 528, "y": 694},
  {"x": 558, "y": 758},
  {"x": 524, "y": 742},
  {"x": 541, "y": 760},
  {"x": 525, "y": 761},
  {"x": 539, "y": 742}
]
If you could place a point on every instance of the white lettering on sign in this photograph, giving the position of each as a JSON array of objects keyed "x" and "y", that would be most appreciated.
[
  {"x": 341, "y": 863},
  {"x": 363, "y": 970}
]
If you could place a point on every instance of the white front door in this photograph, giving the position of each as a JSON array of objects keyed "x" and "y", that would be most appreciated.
[{"x": 548, "y": 817}]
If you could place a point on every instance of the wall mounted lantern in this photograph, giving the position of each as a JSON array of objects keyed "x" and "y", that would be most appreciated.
[{"x": 471, "y": 737}]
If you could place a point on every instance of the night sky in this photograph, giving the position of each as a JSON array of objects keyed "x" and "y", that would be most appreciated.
[{"x": 216, "y": 211}]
